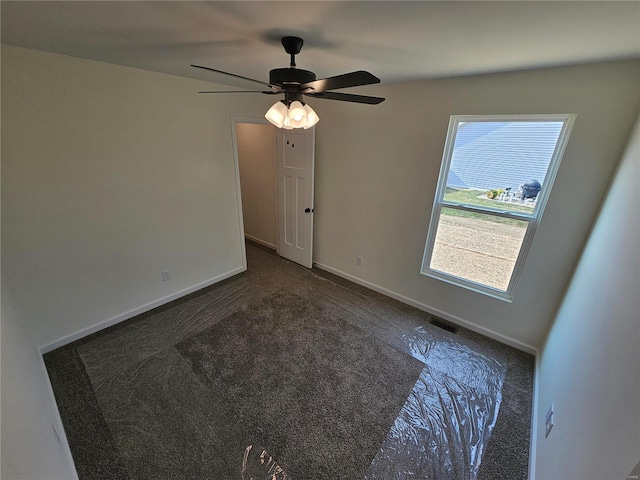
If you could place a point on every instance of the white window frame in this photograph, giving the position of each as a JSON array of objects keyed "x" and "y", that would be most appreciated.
[{"x": 532, "y": 219}]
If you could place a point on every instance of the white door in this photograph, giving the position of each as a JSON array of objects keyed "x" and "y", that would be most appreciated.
[{"x": 296, "y": 159}]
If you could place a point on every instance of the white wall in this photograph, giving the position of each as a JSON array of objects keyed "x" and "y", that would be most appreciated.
[
  {"x": 590, "y": 363},
  {"x": 30, "y": 450},
  {"x": 110, "y": 175},
  {"x": 257, "y": 159},
  {"x": 377, "y": 169}
]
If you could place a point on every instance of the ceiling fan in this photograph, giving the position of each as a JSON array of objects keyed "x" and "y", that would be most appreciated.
[{"x": 292, "y": 112}]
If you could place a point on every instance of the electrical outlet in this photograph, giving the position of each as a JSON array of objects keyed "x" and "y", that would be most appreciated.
[
  {"x": 165, "y": 275},
  {"x": 548, "y": 426},
  {"x": 549, "y": 413},
  {"x": 549, "y": 422},
  {"x": 359, "y": 261}
]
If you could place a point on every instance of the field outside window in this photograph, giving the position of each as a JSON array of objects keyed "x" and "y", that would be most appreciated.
[{"x": 495, "y": 178}]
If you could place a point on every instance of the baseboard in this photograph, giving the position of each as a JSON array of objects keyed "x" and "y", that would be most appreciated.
[
  {"x": 261, "y": 242},
  {"x": 59, "y": 428},
  {"x": 137, "y": 311},
  {"x": 534, "y": 421},
  {"x": 512, "y": 342}
]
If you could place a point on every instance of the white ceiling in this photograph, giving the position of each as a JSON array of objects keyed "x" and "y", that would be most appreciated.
[{"x": 395, "y": 40}]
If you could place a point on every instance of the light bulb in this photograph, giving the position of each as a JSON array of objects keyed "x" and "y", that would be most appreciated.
[
  {"x": 297, "y": 115},
  {"x": 286, "y": 124}
]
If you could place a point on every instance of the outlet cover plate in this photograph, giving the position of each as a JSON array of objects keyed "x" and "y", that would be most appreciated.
[
  {"x": 548, "y": 426},
  {"x": 549, "y": 413}
]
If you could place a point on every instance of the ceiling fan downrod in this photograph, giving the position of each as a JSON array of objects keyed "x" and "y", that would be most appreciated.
[
  {"x": 291, "y": 78},
  {"x": 292, "y": 45}
]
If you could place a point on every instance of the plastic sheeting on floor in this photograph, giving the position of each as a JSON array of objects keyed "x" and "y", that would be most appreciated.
[
  {"x": 441, "y": 431},
  {"x": 445, "y": 424}
]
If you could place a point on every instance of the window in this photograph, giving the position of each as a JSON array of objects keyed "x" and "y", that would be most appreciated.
[{"x": 496, "y": 175}]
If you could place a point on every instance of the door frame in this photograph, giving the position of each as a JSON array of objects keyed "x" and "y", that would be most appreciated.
[{"x": 235, "y": 119}]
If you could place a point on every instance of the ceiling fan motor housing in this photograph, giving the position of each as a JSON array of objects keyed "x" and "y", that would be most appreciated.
[
  {"x": 292, "y": 45},
  {"x": 284, "y": 76},
  {"x": 295, "y": 82}
]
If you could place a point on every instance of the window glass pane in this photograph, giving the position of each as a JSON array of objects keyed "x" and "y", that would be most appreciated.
[
  {"x": 477, "y": 247},
  {"x": 501, "y": 165},
  {"x": 502, "y": 200}
]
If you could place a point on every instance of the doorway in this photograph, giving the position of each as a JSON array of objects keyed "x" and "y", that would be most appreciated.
[
  {"x": 255, "y": 144},
  {"x": 276, "y": 170}
]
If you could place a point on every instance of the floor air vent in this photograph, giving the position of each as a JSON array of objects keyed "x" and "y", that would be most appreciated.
[{"x": 443, "y": 324}]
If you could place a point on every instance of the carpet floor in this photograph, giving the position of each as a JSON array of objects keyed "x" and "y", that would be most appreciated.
[{"x": 288, "y": 373}]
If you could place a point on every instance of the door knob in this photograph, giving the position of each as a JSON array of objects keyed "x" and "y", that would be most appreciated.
[{"x": 308, "y": 210}]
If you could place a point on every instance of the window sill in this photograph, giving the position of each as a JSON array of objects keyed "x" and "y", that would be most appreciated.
[{"x": 474, "y": 287}]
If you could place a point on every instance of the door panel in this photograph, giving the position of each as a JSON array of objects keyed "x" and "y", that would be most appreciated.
[{"x": 296, "y": 150}]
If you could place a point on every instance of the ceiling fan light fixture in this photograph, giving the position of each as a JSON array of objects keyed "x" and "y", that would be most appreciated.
[
  {"x": 294, "y": 83},
  {"x": 286, "y": 124},
  {"x": 312, "y": 117},
  {"x": 277, "y": 114},
  {"x": 297, "y": 114}
]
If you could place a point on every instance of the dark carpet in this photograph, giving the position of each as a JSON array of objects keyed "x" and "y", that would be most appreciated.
[
  {"x": 331, "y": 379},
  {"x": 319, "y": 394}
]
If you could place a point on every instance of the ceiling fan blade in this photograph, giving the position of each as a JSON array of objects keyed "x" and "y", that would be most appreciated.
[
  {"x": 348, "y": 97},
  {"x": 232, "y": 75},
  {"x": 239, "y": 91},
  {"x": 353, "y": 79}
]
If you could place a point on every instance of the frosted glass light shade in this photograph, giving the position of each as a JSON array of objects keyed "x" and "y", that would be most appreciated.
[
  {"x": 312, "y": 117},
  {"x": 277, "y": 114},
  {"x": 297, "y": 115},
  {"x": 286, "y": 124}
]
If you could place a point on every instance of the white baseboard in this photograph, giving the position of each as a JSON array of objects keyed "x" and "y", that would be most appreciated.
[
  {"x": 512, "y": 342},
  {"x": 137, "y": 311},
  {"x": 534, "y": 421},
  {"x": 261, "y": 242},
  {"x": 59, "y": 428}
]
